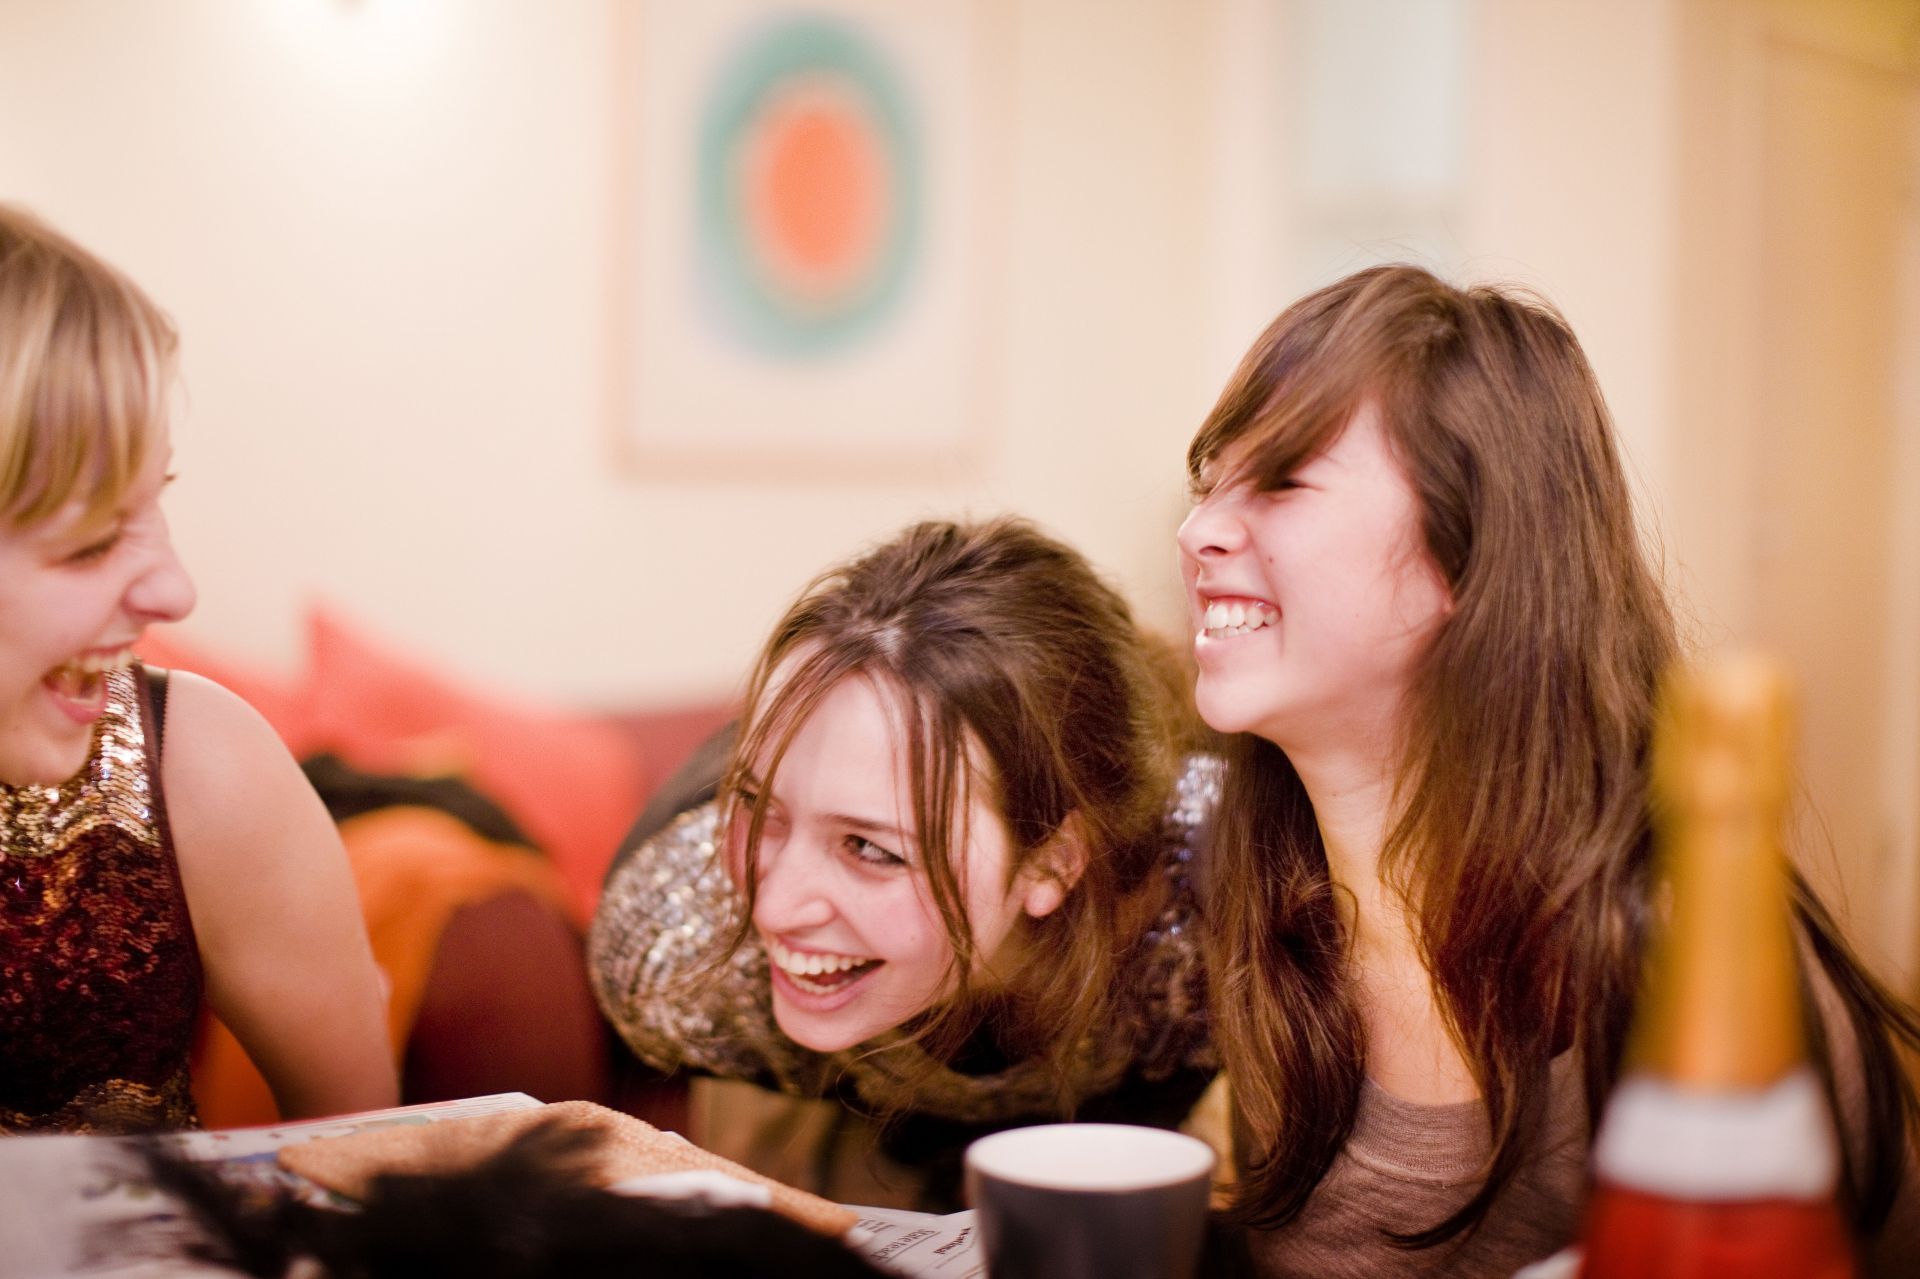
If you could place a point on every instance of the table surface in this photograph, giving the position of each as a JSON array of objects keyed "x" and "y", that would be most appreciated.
[{"x": 59, "y": 1194}]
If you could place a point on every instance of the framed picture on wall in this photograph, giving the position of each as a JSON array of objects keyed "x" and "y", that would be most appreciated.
[{"x": 804, "y": 245}]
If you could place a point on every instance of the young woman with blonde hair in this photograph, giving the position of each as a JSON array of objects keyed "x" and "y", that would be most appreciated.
[
  {"x": 1424, "y": 614},
  {"x": 156, "y": 840}
]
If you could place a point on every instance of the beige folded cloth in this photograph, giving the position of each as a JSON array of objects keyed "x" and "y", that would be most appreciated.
[{"x": 630, "y": 1148}]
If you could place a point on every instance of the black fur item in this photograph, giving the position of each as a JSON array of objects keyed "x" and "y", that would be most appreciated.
[{"x": 527, "y": 1211}]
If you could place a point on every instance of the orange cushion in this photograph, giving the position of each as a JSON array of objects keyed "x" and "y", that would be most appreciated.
[
  {"x": 414, "y": 868},
  {"x": 572, "y": 782}
]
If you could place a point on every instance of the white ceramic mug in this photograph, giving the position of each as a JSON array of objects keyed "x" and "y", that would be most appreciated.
[{"x": 1090, "y": 1201}]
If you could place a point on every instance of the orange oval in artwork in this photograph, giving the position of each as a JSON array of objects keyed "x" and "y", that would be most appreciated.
[{"x": 816, "y": 191}]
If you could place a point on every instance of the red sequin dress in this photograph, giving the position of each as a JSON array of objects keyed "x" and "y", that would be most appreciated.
[{"x": 99, "y": 972}]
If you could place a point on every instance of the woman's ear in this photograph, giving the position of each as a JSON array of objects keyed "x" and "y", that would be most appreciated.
[{"x": 1054, "y": 869}]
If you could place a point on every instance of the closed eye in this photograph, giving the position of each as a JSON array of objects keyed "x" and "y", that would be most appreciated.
[
  {"x": 746, "y": 802},
  {"x": 95, "y": 550}
]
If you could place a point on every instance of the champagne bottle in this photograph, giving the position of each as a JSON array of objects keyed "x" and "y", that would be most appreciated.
[{"x": 1716, "y": 1157}]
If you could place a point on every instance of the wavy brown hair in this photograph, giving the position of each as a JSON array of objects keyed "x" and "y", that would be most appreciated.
[
  {"x": 1523, "y": 839},
  {"x": 1018, "y": 670},
  {"x": 84, "y": 359}
]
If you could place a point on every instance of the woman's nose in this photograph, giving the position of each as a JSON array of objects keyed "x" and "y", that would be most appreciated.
[
  {"x": 1212, "y": 528},
  {"x": 791, "y": 893},
  {"x": 163, "y": 592}
]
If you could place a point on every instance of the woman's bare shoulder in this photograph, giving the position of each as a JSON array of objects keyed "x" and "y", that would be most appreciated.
[{"x": 225, "y": 770}]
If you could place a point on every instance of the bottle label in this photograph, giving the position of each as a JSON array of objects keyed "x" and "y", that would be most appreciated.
[
  {"x": 1631, "y": 1235},
  {"x": 1776, "y": 1143}
]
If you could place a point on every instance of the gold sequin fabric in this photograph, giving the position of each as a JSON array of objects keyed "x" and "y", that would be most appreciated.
[
  {"x": 668, "y": 908},
  {"x": 99, "y": 971}
]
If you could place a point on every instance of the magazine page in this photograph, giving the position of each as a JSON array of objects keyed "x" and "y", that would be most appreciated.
[
  {"x": 251, "y": 1152},
  {"x": 244, "y": 1143},
  {"x": 918, "y": 1243}
]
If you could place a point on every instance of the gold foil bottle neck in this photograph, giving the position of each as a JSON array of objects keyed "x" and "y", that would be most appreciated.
[
  {"x": 1725, "y": 740},
  {"x": 1720, "y": 1006}
]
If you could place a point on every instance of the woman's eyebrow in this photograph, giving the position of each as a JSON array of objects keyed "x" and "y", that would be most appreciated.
[
  {"x": 889, "y": 830},
  {"x": 869, "y": 825}
]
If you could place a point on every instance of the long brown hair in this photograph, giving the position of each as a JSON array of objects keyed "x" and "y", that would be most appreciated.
[
  {"x": 1018, "y": 671},
  {"x": 1524, "y": 836}
]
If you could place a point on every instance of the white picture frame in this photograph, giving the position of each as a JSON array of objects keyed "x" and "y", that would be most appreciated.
[{"x": 804, "y": 235}]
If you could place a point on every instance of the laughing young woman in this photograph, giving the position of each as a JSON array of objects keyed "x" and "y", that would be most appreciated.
[
  {"x": 140, "y": 863},
  {"x": 1422, "y": 609},
  {"x": 942, "y": 883}
]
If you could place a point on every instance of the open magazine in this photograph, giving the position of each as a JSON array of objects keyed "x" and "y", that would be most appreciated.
[
  {"x": 61, "y": 1198},
  {"x": 917, "y": 1243}
]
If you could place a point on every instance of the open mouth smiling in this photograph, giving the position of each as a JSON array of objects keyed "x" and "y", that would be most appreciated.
[
  {"x": 819, "y": 972},
  {"x": 81, "y": 681},
  {"x": 1230, "y": 616}
]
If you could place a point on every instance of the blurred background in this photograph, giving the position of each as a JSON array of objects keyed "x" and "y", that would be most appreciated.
[{"x": 557, "y": 344}]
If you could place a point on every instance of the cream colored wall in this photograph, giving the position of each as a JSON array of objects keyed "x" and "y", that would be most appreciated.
[
  {"x": 1796, "y": 425},
  {"x": 383, "y": 228},
  {"x": 1570, "y": 189}
]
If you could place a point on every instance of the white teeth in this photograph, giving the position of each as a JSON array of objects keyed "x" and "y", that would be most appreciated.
[
  {"x": 97, "y": 663},
  {"x": 815, "y": 973},
  {"x": 812, "y": 964},
  {"x": 1239, "y": 618}
]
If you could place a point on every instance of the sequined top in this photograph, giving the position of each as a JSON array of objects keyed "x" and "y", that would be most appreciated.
[
  {"x": 99, "y": 970},
  {"x": 668, "y": 905}
]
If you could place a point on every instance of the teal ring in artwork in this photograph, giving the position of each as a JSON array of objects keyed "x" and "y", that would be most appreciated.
[{"x": 802, "y": 46}]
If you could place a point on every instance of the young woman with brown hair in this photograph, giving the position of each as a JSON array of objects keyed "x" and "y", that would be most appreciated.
[
  {"x": 942, "y": 882},
  {"x": 1423, "y": 611}
]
